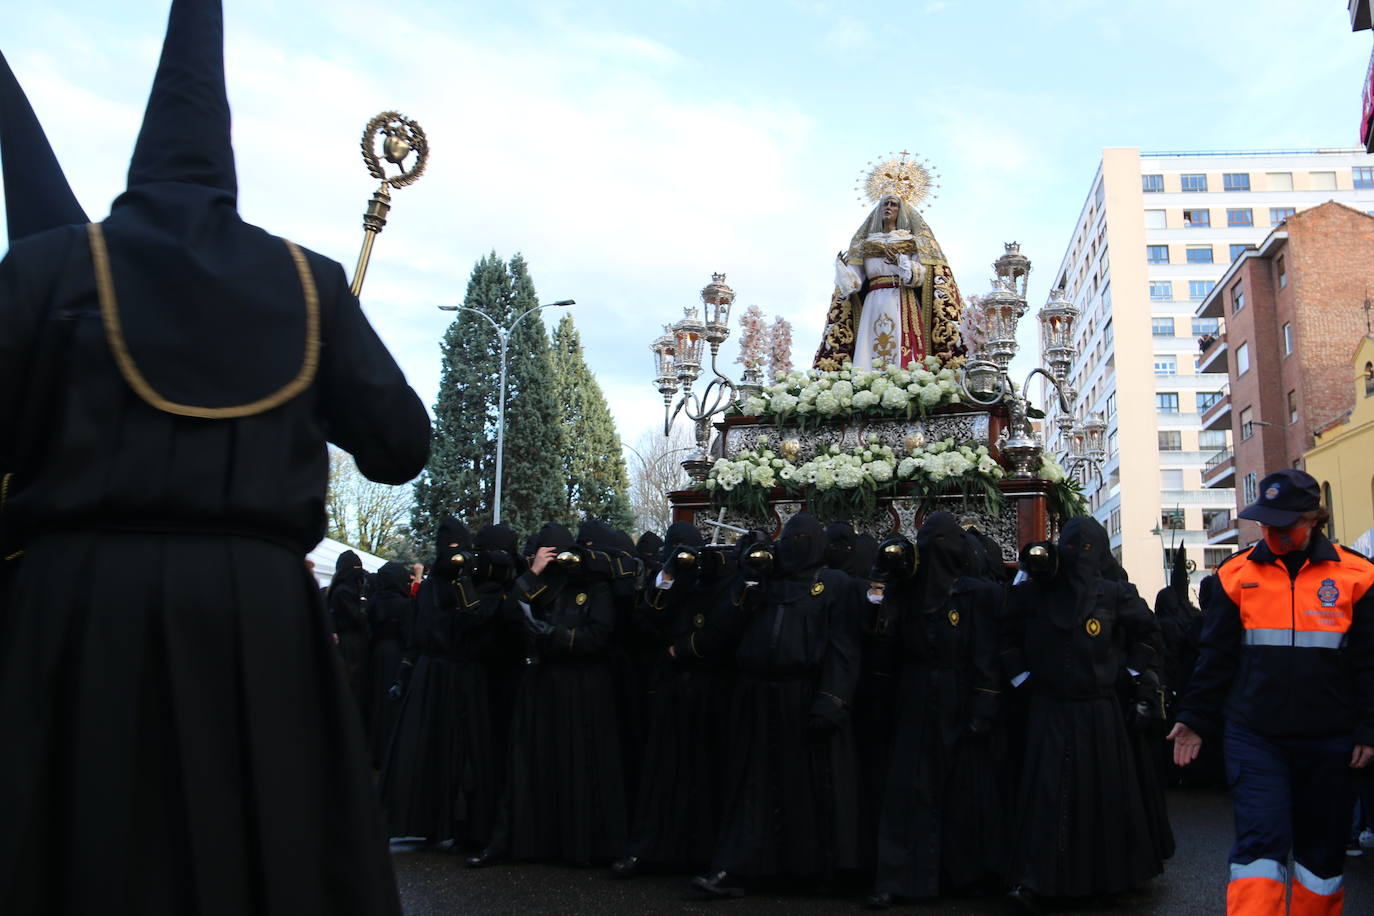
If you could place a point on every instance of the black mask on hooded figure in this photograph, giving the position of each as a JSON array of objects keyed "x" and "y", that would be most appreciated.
[
  {"x": 1085, "y": 562},
  {"x": 498, "y": 557},
  {"x": 596, "y": 534},
  {"x": 946, "y": 554},
  {"x": 801, "y": 548},
  {"x": 393, "y": 579},
  {"x": 452, "y": 538},
  {"x": 678, "y": 535},
  {"x": 840, "y": 541},
  {"x": 561, "y": 540},
  {"x": 865, "y": 555},
  {"x": 649, "y": 548}
]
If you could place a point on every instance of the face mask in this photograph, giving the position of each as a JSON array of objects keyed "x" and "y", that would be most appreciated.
[{"x": 1287, "y": 540}]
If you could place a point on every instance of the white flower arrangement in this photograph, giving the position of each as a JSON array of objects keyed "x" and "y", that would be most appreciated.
[
  {"x": 886, "y": 391},
  {"x": 846, "y": 483}
]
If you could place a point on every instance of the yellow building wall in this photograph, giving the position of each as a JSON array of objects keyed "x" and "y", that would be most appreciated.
[{"x": 1344, "y": 459}]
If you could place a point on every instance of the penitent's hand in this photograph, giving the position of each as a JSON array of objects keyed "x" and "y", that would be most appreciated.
[
  {"x": 542, "y": 558},
  {"x": 1187, "y": 743},
  {"x": 1361, "y": 756}
]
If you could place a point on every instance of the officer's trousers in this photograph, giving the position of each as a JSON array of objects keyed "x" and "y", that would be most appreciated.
[{"x": 1289, "y": 794}]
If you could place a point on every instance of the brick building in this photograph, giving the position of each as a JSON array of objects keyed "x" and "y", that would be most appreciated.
[{"x": 1292, "y": 310}]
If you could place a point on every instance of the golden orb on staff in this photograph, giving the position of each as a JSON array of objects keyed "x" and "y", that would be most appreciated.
[{"x": 399, "y": 137}]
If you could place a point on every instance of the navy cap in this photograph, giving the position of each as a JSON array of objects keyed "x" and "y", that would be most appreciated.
[{"x": 1283, "y": 498}]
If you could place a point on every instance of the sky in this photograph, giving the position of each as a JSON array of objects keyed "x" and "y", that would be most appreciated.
[{"x": 629, "y": 150}]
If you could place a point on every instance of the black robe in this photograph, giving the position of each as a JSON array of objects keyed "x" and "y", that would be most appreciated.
[
  {"x": 178, "y": 732},
  {"x": 1081, "y": 826},
  {"x": 791, "y": 800},
  {"x": 346, "y": 601},
  {"x": 565, "y": 792},
  {"x": 941, "y": 816},
  {"x": 391, "y": 613},
  {"x": 677, "y": 808}
]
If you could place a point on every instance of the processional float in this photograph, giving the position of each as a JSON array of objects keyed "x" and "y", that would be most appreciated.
[{"x": 846, "y": 445}]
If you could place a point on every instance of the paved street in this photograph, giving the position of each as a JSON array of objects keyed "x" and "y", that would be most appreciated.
[{"x": 1194, "y": 882}]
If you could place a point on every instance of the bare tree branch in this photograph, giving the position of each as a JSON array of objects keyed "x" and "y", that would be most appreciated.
[{"x": 655, "y": 470}]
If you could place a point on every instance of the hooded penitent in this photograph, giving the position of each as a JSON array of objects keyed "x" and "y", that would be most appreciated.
[
  {"x": 451, "y": 538},
  {"x": 840, "y": 540},
  {"x": 1085, "y": 559},
  {"x": 945, "y": 554},
  {"x": 649, "y": 546},
  {"x": 499, "y": 548},
  {"x": 802, "y": 545},
  {"x": 392, "y": 579},
  {"x": 681, "y": 534},
  {"x": 37, "y": 196},
  {"x": 187, "y": 288}
]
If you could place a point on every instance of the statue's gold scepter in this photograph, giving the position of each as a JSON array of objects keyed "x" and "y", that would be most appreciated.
[{"x": 400, "y": 137}]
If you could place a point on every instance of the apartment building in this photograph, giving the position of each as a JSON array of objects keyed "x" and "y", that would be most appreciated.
[
  {"x": 1292, "y": 310},
  {"x": 1155, "y": 234}
]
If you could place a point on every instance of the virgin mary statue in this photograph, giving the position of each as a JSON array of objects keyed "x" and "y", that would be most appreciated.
[{"x": 895, "y": 299}]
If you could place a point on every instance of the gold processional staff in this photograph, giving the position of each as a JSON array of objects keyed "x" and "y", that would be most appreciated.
[{"x": 399, "y": 136}]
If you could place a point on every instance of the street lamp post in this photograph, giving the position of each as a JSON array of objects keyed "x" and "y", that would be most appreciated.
[{"x": 502, "y": 337}]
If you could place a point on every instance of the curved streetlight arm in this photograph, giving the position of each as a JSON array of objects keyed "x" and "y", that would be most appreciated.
[{"x": 1058, "y": 388}]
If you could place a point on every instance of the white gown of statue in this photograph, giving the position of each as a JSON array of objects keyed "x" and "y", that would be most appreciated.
[{"x": 878, "y": 329}]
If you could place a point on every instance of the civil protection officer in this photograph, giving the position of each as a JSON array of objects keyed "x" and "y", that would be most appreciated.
[{"x": 1287, "y": 661}]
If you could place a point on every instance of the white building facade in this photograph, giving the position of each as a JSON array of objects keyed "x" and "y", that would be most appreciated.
[{"x": 1156, "y": 232}]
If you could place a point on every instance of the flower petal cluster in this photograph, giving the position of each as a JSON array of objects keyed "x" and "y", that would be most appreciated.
[{"x": 885, "y": 391}]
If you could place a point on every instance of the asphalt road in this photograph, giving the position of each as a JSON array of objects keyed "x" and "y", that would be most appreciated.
[{"x": 1194, "y": 882}]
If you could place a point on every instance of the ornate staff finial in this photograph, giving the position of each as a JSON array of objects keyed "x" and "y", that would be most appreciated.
[{"x": 400, "y": 137}]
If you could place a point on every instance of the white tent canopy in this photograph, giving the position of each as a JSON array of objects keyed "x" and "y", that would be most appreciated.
[{"x": 325, "y": 556}]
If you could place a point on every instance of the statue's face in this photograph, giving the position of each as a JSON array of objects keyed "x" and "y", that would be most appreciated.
[{"x": 890, "y": 210}]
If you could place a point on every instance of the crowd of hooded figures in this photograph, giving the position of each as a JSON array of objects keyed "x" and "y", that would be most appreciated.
[{"x": 821, "y": 708}]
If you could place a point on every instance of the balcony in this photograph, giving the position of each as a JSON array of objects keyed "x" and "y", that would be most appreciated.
[
  {"x": 1222, "y": 529},
  {"x": 1218, "y": 416},
  {"x": 1213, "y": 358},
  {"x": 1220, "y": 470}
]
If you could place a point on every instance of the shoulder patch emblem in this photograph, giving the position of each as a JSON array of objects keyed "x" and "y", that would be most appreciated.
[
  {"x": 581, "y": 598},
  {"x": 818, "y": 588},
  {"x": 954, "y": 618},
  {"x": 1093, "y": 626},
  {"x": 1328, "y": 594}
]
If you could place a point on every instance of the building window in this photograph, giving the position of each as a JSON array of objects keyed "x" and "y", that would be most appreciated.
[
  {"x": 1242, "y": 359},
  {"x": 1331, "y": 508},
  {"x": 1157, "y": 254},
  {"x": 1161, "y": 290},
  {"x": 1205, "y": 400},
  {"x": 1244, "y": 217},
  {"x": 1280, "y": 181},
  {"x": 1166, "y": 365},
  {"x": 1201, "y": 254},
  {"x": 1369, "y": 380},
  {"x": 1197, "y": 219},
  {"x": 1162, "y": 327},
  {"x": 1154, "y": 219},
  {"x": 1194, "y": 183},
  {"x": 1212, "y": 557},
  {"x": 1364, "y": 176},
  {"x": 1287, "y": 338},
  {"x": 1323, "y": 181},
  {"x": 1282, "y": 271},
  {"x": 1279, "y": 214},
  {"x": 1111, "y": 404},
  {"x": 1209, "y": 439},
  {"x": 1203, "y": 327},
  {"x": 1292, "y": 407},
  {"x": 1152, "y": 184},
  {"x": 1111, "y": 443},
  {"x": 1170, "y": 440},
  {"x": 1199, "y": 289},
  {"x": 1236, "y": 181},
  {"x": 1247, "y": 423},
  {"x": 1166, "y": 402},
  {"x": 1114, "y": 521},
  {"x": 1237, "y": 299},
  {"x": 1238, "y": 250},
  {"x": 1172, "y": 518},
  {"x": 1249, "y": 488}
]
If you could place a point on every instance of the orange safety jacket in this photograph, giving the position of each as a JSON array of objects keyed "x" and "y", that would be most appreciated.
[{"x": 1288, "y": 655}]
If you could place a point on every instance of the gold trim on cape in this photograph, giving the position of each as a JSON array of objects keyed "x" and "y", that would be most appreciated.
[{"x": 128, "y": 369}]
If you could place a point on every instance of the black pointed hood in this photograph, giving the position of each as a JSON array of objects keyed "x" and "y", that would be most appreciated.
[
  {"x": 801, "y": 547},
  {"x": 186, "y": 287},
  {"x": 185, "y": 134},
  {"x": 37, "y": 196}
]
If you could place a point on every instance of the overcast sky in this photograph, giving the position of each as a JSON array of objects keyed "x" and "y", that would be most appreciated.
[{"x": 629, "y": 150}]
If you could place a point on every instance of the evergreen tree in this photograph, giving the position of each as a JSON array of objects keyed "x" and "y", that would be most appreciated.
[
  {"x": 593, "y": 469},
  {"x": 461, "y": 473}
]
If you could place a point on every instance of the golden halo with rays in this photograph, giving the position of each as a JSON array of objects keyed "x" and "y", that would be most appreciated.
[{"x": 913, "y": 180}]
